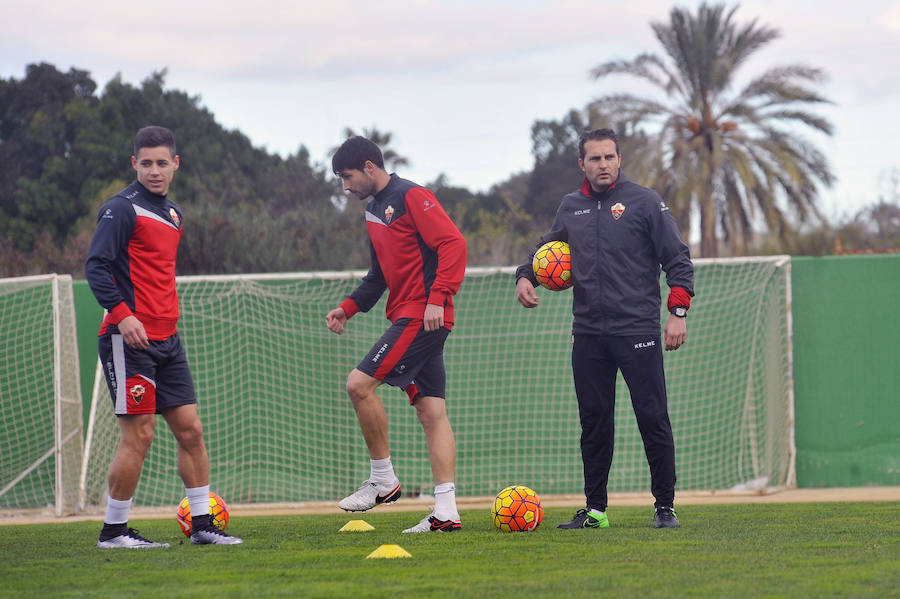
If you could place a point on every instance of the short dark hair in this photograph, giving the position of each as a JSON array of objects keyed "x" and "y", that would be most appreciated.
[
  {"x": 153, "y": 137},
  {"x": 597, "y": 135},
  {"x": 354, "y": 153}
]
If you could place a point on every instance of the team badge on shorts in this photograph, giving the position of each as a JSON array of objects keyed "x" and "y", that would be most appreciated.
[
  {"x": 617, "y": 209},
  {"x": 388, "y": 214},
  {"x": 137, "y": 393}
]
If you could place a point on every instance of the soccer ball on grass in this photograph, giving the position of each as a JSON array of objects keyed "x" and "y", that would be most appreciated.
[
  {"x": 517, "y": 509},
  {"x": 217, "y": 509}
]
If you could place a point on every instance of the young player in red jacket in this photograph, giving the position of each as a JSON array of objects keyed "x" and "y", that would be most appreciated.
[{"x": 131, "y": 270}]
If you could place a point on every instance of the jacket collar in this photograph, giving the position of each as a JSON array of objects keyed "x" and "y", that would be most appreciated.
[
  {"x": 587, "y": 190},
  {"x": 385, "y": 191}
]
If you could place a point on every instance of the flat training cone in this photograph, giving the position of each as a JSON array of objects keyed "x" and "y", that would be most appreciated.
[
  {"x": 389, "y": 552},
  {"x": 356, "y": 526}
]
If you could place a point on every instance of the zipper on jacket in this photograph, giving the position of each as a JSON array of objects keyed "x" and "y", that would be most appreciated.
[{"x": 600, "y": 273}]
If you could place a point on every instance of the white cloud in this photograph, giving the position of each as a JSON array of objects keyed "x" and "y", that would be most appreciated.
[
  {"x": 289, "y": 39},
  {"x": 891, "y": 18},
  {"x": 459, "y": 83}
]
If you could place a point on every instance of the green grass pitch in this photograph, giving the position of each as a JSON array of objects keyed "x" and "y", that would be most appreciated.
[{"x": 772, "y": 550}]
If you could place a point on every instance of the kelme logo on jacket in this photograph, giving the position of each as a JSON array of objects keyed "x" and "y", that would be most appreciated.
[{"x": 617, "y": 209}]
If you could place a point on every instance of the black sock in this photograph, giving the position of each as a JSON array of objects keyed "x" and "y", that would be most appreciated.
[
  {"x": 201, "y": 522},
  {"x": 111, "y": 531}
]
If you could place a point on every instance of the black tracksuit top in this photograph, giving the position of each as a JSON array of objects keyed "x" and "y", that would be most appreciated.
[{"x": 620, "y": 239}]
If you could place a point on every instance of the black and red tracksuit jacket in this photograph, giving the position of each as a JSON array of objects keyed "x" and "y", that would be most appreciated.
[
  {"x": 417, "y": 253},
  {"x": 619, "y": 239},
  {"x": 131, "y": 262}
]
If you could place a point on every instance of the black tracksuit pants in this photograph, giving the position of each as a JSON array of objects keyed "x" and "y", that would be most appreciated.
[{"x": 595, "y": 362}]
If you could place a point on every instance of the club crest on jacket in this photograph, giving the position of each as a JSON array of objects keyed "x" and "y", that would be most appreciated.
[{"x": 617, "y": 209}]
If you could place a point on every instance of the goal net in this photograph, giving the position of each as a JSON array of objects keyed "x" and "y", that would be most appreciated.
[
  {"x": 279, "y": 427},
  {"x": 40, "y": 395}
]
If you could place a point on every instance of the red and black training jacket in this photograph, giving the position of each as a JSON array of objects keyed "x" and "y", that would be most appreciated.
[
  {"x": 417, "y": 253},
  {"x": 131, "y": 262}
]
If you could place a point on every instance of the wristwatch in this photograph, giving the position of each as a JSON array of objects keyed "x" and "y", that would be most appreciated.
[{"x": 679, "y": 311}]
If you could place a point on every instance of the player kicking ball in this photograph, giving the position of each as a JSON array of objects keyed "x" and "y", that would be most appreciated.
[{"x": 419, "y": 256}]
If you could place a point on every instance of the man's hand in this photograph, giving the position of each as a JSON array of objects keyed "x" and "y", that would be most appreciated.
[
  {"x": 434, "y": 317},
  {"x": 133, "y": 332},
  {"x": 335, "y": 320},
  {"x": 525, "y": 293},
  {"x": 676, "y": 332}
]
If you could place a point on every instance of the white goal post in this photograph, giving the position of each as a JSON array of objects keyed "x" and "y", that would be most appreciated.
[
  {"x": 40, "y": 396},
  {"x": 279, "y": 428}
]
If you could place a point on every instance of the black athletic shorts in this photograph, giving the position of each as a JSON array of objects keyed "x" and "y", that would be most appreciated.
[
  {"x": 146, "y": 381},
  {"x": 408, "y": 357}
]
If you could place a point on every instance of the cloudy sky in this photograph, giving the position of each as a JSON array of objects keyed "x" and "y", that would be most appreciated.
[{"x": 457, "y": 83}]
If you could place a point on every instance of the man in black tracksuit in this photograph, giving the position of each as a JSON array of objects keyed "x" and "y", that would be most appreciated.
[{"x": 620, "y": 234}]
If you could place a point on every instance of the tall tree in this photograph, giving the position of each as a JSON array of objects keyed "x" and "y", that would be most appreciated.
[
  {"x": 382, "y": 139},
  {"x": 45, "y": 121},
  {"x": 64, "y": 151},
  {"x": 554, "y": 145},
  {"x": 736, "y": 159}
]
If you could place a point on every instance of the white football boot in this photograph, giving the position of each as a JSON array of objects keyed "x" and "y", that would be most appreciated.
[
  {"x": 369, "y": 495},
  {"x": 212, "y": 535},
  {"x": 130, "y": 539},
  {"x": 431, "y": 524}
]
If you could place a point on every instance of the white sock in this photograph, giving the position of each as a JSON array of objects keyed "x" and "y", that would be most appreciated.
[
  {"x": 117, "y": 510},
  {"x": 198, "y": 498},
  {"x": 382, "y": 471},
  {"x": 445, "y": 502}
]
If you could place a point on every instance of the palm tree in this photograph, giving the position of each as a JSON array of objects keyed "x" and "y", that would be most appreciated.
[
  {"x": 731, "y": 157},
  {"x": 392, "y": 159}
]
